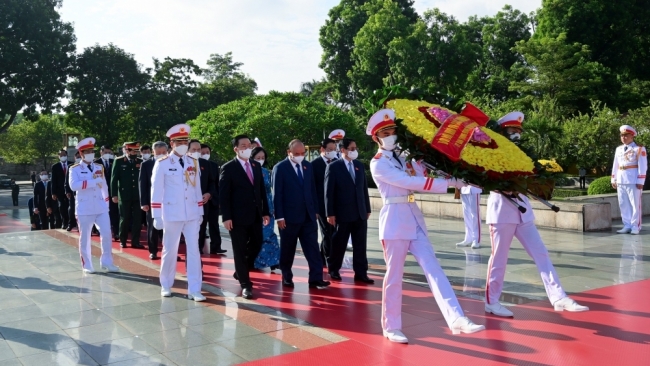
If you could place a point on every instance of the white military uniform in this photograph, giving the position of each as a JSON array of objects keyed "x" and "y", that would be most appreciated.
[
  {"x": 629, "y": 169},
  {"x": 176, "y": 199},
  {"x": 402, "y": 229},
  {"x": 470, "y": 198},
  {"x": 506, "y": 222},
  {"x": 91, "y": 205}
]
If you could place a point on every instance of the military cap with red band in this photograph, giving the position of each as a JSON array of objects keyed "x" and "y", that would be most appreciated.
[
  {"x": 512, "y": 119},
  {"x": 85, "y": 144},
  {"x": 381, "y": 120},
  {"x": 179, "y": 132}
]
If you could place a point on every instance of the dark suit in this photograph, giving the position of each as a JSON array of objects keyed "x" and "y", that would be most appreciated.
[
  {"x": 208, "y": 185},
  {"x": 113, "y": 210},
  {"x": 245, "y": 204},
  {"x": 144, "y": 184},
  {"x": 349, "y": 202},
  {"x": 327, "y": 230},
  {"x": 33, "y": 218},
  {"x": 211, "y": 208},
  {"x": 43, "y": 201},
  {"x": 60, "y": 208},
  {"x": 295, "y": 201},
  {"x": 72, "y": 222}
]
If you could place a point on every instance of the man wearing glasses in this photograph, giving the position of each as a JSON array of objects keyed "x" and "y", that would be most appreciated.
[
  {"x": 125, "y": 192},
  {"x": 628, "y": 176}
]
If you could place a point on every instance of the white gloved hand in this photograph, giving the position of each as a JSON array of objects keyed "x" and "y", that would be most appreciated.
[{"x": 158, "y": 223}]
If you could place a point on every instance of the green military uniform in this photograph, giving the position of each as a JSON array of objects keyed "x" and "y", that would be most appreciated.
[{"x": 124, "y": 185}]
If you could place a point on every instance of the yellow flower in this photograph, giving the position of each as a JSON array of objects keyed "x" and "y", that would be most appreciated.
[{"x": 551, "y": 166}]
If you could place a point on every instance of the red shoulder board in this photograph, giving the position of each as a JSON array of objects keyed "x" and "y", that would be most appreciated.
[{"x": 377, "y": 156}]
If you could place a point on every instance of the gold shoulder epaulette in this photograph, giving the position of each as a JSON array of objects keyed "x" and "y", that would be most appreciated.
[
  {"x": 76, "y": 164},
  {"x": 163, "y": 158}
]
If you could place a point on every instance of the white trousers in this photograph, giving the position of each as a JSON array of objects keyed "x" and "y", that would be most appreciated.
[
  {"x": 629, "y": 201},
  {"x": 472, "y": 217},
  {"x": 395, "y": 254},
  {"x": 171, "y": 238},
  {"x": 501, "y": 236},
  {"x": 85, "y": 223}
]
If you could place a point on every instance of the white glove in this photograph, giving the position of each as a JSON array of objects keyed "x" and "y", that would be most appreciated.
[{"x": 158, "y": 223}]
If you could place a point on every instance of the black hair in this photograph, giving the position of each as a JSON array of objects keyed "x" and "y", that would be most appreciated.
[
  {"x": 257, "y": 151},
  {"x": 63, "y": 151},
  {"x": 145, "y": 147},
  {"x": 194, "y": 141},
  {"x": 345, "y": 143},
  {"x": 104, "y": 147},
  {"x": 235, "y": 140},
  {"x": 326, "y": 142},
  {"x": 205, "y": 146}
]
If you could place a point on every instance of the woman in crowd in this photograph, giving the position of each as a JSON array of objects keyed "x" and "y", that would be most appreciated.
[{"x": 269, "y": 255}]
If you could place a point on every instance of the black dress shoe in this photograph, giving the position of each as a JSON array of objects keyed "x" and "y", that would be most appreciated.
[
  {"x": 218, "y": 251},
  {"x": 287, "y": 283},
  {"x": 234, "y": 275},
  {"x": 319, "y": 284},
  {"x": 178, "y": 258},
  {"x": 69, "y": 228},
  {"x": 364, "y": 279},
  {"x": 334, "y": 275},
  {"x": 123, "y": 245},
  {"x": 137, "y": 246},
  {"x": 153, "y": 256},
  {"x": 247, "y": 293}
]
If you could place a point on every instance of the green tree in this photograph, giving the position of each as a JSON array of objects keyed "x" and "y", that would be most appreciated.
[
  {"x": 104, "y": 83},
  {"x": 543, "y": 129},
  {"x": 337, "y": 40},
  {"x": 38, "y": 140},
  {"x": 224, "y": 82},
  {"x": 276, "y": 119},
  {"x": 36, "y": 56},
  {"x": 320, "y": 90}
]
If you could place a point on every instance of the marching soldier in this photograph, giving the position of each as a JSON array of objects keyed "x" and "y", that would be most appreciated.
[
  {"x": 402, "y": 229},
  {"x": 87, "y": 179},
  {"x": 628, "y": 177},
  {"x": 177, "y": 207},
  {"x": 124, "y": 188}
]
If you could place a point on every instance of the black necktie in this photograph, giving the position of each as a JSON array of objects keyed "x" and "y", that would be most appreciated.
[
  {"x": 182, "y": 162},
  {"x": 299, "y": 171},
  {"x": 90, "y": 168},
  {"x": 625, "y": 149},
  {"x": 397, "y": 158}
]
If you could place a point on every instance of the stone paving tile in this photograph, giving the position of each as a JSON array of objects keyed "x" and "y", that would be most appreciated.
[
  {"x": 257, "y": 346},
  {"x": 41, "y": 342},
  {"x": 98, "y": 333},
  {"x": 209, "y": 354},
  {"x": 67, "y": 357},
  {"x": 174, "y": 339},
  {"x": 150, "y": 324},
  {"x": 118, "y": 350}
]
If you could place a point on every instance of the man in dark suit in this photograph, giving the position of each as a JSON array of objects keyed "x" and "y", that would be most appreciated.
[
  {"x": 327, "y": 155},
  {"x": 296, "y": 212},
  {"x": 348, "y": 208},
  {"x": 244, "y": 209},
  {"x": 70, "y": 194},
  {"x": 106, "y": 160},
  {"x": 61, "y": 203},
  {"x": 144, "y": 184},
  {"x": 212, "y": 206},
  {"x": 43, "y": 202},
  {"x": 208, "y": 187},
  {"x": 33, "y": 218}
]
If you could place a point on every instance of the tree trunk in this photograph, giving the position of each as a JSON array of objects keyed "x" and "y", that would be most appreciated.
[{"x": 8, "y": 123}]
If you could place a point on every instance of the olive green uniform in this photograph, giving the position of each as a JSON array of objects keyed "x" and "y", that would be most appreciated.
[{"x": 124, "y": 185}]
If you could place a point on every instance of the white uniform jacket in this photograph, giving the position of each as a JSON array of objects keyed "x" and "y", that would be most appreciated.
[
  {"x": 470, "y": 190},
  {"x": 176, "y": 190},
  {"x": 501, "y": 211},
  {"x": 399, "y": 221},
  {"x": 89, "y": 183},
  {"x": 630, "y": 164}
]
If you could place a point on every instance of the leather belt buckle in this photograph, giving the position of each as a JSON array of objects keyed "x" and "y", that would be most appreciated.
[{"x": 411, "y": 198}]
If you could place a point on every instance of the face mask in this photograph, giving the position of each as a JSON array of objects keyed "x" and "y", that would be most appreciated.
[
  {"x": 63, "y": 159},
  {"x": 206, "y": 156},
  {"x": 245, "y": 154},
  {"x": 195, "y": 155},
  {"x": 146, "y": 156},
  {"x": 352, "y": 154},
  {"x": 260, "y": 161},
  {"x": 107, "y": 156},
  {"x": 388, "y": 143},
  {"x": 515, "y": 136},
  {"x": 297, "y": 159},
  {"x": 89, "y": 157},
  {"x": 330, "y": 155},
  {"x": 77, "y": 160},
  {"x": 181, "y": 149},
  {"x": 44, "y": 178}
]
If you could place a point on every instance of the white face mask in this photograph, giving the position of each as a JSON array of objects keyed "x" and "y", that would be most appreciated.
[
  {"x": 388, "y": 143},
  {"x": 45, "y": 178},
  {"x": 181, "y": 149},
  {"x": 352, "y": 154},
  {"x": 89, "y": 157},
  {"x": 146, "y": 156},
  {"x": 206, "y": 156},
  {"x": 195, "y": 155},
  {"x": 245, "y": 154},
  {"x": 107, "y": 156},
  {"x": 330, "y": 155},
  {"x": 260, "y": 161},
  {"x": 159, "y": 156},
  {"x": 63, "y": 159},
  {"x": 77, "y": 160},
  {"x": 297, "y": 159},
  {"x": 515, "y": 136}
]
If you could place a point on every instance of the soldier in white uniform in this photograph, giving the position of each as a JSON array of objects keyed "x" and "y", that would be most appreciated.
[
  {"x": 88, "y": 180},
  {"x": 402, "y": 229},
  {"x": 505, "y": 222},
  {"x": 177, "y": 207},
  {"x": 470, "y": 197},
  {"x": 628, "y": 176}
]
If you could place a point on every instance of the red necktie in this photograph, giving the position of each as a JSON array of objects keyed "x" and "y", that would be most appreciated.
[{"x": 249, "y": 172}]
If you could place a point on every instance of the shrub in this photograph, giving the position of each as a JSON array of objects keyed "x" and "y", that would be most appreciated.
[
  {"x": 563, "y": 193},
  {"x": 601, "y": 185}
]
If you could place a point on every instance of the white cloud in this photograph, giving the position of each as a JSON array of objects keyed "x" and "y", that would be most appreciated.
[{"x": 276, "y": 40}]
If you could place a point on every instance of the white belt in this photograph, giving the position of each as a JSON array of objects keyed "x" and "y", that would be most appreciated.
[{"x": 399, "y": 199}]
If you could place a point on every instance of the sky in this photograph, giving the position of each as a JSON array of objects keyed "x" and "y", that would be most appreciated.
[{"x": 276, "y": 40}]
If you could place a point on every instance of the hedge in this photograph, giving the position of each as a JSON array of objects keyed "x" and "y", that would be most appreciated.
[
  {"x": 601, "y": 185},
  {"x": 564, "y": 193}
]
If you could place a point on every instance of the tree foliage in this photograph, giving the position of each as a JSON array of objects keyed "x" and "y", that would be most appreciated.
[
  {"x": 27, "y": 141},
  {"x": 36, "y": 56}
]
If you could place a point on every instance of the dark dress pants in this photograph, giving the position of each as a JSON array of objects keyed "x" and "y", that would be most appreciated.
[
  {"x": 215, "y": 234},
  {"x": 153, "y": 235},
  {"x": 307, "y": 232},
  {"x": 46, "y": 221},
  {"x": 327, "y": 231},
  {"x": 72, "y": 217},
  {"x": 203, "y": 227},
  {"x": 130, "y": 213},
  {"x": 358, "y": 230},
  {"x": 55, "y": 216},
  {"x": 114, "y": 215},
  {"x": 246, "y": 245},
  {"x": 63, "y": 219},
  {"x": 14, "y": 199}
]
